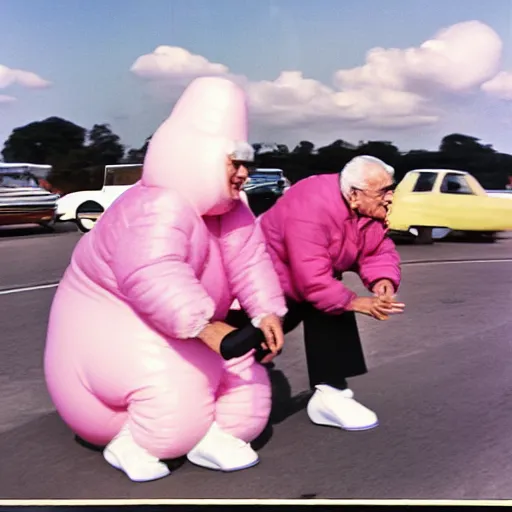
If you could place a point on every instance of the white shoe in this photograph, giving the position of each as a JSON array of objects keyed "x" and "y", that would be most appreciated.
[
  {"x": 337, "y": 408},
  {"x": 125, "y": 454},
  {"x": 222, "y": 451}
]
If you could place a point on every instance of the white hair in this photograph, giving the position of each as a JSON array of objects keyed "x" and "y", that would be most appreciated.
[
  {"x": 356, "y": 172},
  {"x": 240, "y": 150}
]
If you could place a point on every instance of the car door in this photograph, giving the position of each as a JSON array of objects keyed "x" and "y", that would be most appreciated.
[{"x": 457, "y": 202}]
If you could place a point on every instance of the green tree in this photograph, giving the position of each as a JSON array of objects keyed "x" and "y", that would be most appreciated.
[
  {"x": 43, "y": 142},
  {"x": 382, "y": 149},
  {"x": 305, "y": 147},
  {"x": 136, "y": 156},
  {"x": 104, "y": 146},
  {"x": 458, "y": 143},
  {"x": 334, "y": 156}
]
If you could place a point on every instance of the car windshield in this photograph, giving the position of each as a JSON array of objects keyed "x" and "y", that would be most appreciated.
[
  {"x": 265, "y": 177},
  {"x": 17, "y": 180}
]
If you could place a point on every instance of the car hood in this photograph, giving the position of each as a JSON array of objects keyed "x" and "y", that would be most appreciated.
[{"x": 10, "y": 194}]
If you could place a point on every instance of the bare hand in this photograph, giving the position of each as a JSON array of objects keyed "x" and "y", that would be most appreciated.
[
  {"x": 274, "y": 337},
  {"x": 384, "y": 287},
  {"x": 213, "y": 334},
  {"x": 377, "y": 307}
]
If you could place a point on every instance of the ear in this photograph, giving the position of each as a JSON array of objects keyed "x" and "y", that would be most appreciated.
[{"x": 353, "y": 199}]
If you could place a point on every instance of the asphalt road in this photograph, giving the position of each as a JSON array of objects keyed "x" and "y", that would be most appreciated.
[{"x": 440, "y": 379}]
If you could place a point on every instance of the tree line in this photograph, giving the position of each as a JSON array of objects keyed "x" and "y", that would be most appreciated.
[{"x": 78, "y": 156}]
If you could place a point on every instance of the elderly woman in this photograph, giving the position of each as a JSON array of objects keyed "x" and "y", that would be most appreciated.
[
  {"x": 138, "y": 357},
  {"x": 323, "y": 226}
]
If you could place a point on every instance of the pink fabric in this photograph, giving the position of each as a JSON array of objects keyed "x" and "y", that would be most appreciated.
[
  {"x": 156, "y": 268},
  {"x": 311, "y": 233}
]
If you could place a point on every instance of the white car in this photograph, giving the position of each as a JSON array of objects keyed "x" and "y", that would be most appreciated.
[{"x": 85, "y": 207}]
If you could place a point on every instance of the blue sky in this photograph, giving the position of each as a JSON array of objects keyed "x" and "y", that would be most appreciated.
[{"x": 86, "y": 49}]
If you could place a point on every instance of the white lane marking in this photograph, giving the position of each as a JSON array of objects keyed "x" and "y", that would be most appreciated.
[
  {"x": 28, "y": 288},
  {"x": 420, "y": 263}
]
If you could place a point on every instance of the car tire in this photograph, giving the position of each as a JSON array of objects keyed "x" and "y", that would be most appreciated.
[
  {"x": 83, "y": 224},
  {"x": 424, "y": 236},
  {"x": 48, "y": 227},
  {"x": 489, "y": 237}
]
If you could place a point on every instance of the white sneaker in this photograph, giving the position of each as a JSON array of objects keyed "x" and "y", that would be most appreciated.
[
  {"x": 337, "y": 408},
  {"x": 125, "y": 454},
  {"x": 222, "y": 451}
]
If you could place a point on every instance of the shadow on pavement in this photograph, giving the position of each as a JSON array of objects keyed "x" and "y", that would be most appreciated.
[
  {"x": 284, "y": 404},
  {"x": 472, "y": 238}
]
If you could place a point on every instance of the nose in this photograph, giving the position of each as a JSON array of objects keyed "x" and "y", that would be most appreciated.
[
  {"x": 388, "y": 196},
  {"x": 242, "y": 172}
]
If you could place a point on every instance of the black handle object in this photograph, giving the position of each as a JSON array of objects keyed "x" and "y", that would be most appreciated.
[{"x": 237, "y": 343}]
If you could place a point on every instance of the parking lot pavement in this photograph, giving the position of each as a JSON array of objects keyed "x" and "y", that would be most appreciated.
[{"x": 440, "y": 379}]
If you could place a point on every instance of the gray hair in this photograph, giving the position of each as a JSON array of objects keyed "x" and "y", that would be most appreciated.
[
  {"x": 240, "y": 150},
  {"x": 355, "y": 173}
]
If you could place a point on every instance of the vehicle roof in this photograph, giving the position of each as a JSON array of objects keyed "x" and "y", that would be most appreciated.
[
  {"x": 113, "y": 166},
  {"x": 22, "y": 164},
  {"x": 438, "y": 171}
]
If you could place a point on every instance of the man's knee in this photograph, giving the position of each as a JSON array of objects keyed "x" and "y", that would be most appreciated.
[{"x": 170, "y": 423}]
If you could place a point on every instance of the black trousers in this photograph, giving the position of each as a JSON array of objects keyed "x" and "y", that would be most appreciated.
[{"x": 333, "y": 346}]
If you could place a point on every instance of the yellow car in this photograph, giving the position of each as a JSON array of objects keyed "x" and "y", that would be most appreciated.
[{"x": 430, "y": 200}]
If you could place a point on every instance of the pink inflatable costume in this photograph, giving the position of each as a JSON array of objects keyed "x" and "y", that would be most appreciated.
[{"x": 123, "y": 364}]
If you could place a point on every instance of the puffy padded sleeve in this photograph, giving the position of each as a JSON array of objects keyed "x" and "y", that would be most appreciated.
[
  {"x": 250, "y": 270},
  {"x": 311, "y": 268},
  {"x": 152, "y": 272},
  {"x": 379, "y": 260}
]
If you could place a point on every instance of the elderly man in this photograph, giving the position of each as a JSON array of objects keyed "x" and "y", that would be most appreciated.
[{"x": 323, "y": 226}]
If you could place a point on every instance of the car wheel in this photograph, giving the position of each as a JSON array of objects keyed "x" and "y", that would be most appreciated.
[
  {"x": 489, "y": 236},
  {"x": 49, "y": 226},
  {"x": 87, "y": 214},
  {"x": 424, "y": 236}
]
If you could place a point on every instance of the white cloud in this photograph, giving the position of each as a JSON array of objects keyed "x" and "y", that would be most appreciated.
[
  {"x": 171, "y": 62},
  {"x": 293, "y": 99},
  {"x": 394, "y": 88},
  {"x": 500, "y": 86},
  {"x": 457, "y": 58},
  {"x": 21, "y": 77}
]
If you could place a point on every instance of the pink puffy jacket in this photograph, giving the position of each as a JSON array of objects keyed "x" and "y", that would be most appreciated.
[
  {"x": 312, "y": 234},
  {"x": 170, "y": 255}
]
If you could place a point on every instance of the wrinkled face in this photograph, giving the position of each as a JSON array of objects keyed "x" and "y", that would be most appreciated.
[
  {"x": 237, "y": 174},
  {"x": 375, "y": 199}
]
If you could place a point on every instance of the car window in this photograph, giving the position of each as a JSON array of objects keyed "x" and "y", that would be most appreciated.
[
  {"x": 456, "y": 184},
  {"x": 15, "y": 180},
  {"x": 123, "y": 176},
  {"x": 425, "y": 182}
]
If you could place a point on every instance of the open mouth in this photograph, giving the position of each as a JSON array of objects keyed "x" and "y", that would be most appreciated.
[{"x": 237, "y": 185}]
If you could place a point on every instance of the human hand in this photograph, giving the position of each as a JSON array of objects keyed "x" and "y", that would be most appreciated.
[
  {"x": 213, "y": 334},
  {"x": 384, "y": 287},
  {"x": 272, "y": 329},
  {"x": 379, "y": 307}
]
